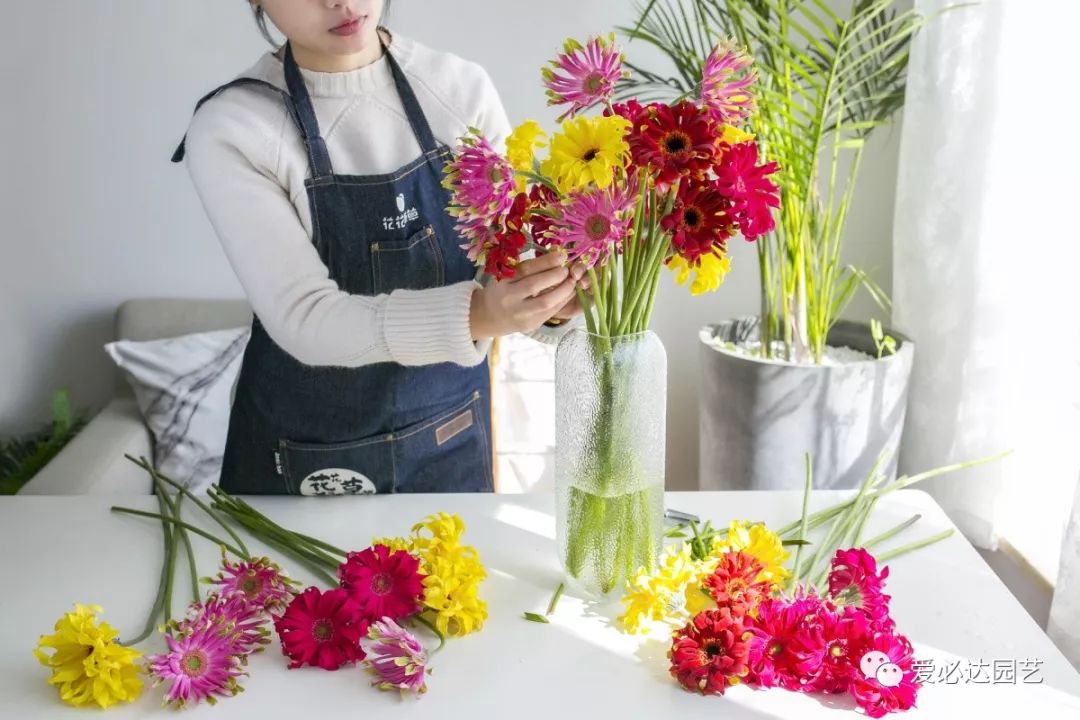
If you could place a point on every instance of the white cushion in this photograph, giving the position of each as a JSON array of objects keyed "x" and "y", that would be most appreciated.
[{"x": 183, "y": 386}]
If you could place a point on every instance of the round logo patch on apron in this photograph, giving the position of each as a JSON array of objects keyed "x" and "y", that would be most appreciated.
[{"x": 337, "y": 481}]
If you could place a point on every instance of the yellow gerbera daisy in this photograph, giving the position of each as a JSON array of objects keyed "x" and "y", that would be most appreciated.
[
  {"x": 588, "y": 150},
  {"x": 88, "y": 665},
  {"x": 708, "y": 274},
  {"x": 521, "y": 147},
  {"x": 760, "y": 542}
]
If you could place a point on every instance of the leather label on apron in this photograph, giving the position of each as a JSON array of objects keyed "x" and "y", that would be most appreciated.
[{"x": 448, "y": 430}]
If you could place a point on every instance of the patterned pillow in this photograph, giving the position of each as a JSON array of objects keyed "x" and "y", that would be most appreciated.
[{"x": 183, "y": 387}]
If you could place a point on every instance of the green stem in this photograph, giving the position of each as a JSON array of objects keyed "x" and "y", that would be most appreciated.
[
  {"x": 888, "y": 534},
  {"x": 862, "y": 523},
  {"x": 555, "y": 598},
  {"x": 802, "y": 530},
  {"x": 187, "y": 526},
  {"x": 194, "y": 498},
  {"x": 893, "y": 554},
  {"x": 174, "y": 509},
  {"x": 164, "y": 503},
  {"x": 431, "y": 626},
  {"x": 159, "y": 599}
]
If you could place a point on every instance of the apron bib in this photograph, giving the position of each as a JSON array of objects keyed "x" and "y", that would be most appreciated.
[{"x": 382, "y": 428}]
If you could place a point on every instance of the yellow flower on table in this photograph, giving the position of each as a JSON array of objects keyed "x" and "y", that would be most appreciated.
[
  {"x": 760, "y": 542},
  {"x": 88, "y": 665},
  {"x": 663, "y": 594}
]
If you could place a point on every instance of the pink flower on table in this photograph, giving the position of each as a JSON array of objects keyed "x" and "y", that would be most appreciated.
[
  {"x": 322, "y": 629},
  {"x": 260, "y": 581},
  {"x": 396, "y": 658},
  {"x": 854, "y": 581},
  {"x": 787, "y": 643},
  {"x": 893, "y": 685},
  {"x": 203, "y": 662}
]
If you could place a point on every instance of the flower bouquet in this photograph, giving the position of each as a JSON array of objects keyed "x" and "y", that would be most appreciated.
[
  {"x": 624, "y": 193},
  {"x": 429, "y": 578}
]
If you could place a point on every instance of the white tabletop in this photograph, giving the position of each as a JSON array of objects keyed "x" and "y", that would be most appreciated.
[{"x": 55, "y": 551}]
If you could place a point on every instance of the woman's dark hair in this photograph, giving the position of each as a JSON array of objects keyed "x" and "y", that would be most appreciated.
[{"x": 264, "y": 27}]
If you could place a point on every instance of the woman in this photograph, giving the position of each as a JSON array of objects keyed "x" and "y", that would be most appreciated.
[{"x": 320, "y": 169}]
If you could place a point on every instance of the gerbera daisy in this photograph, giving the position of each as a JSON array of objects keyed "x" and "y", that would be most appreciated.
[
  {"x": 854, "y": 581},
  {"x": 894, "y": 686},
  {"x": 787, "y": 644},
  {"x": 521, "y": 148},
  {"x": 700, "y": 221},
  {"x": 661, "y": 595},
  {"x": 846, "y": 633},
  {"x": 757, "y": 540},
  {"x": 709, "y": 272},
  {"x": 675, "y": 140},
  {"x": 588, "y": 150},
  {"x": 201, "y": 664},
  {"x": 582, "y": 76},
  {"x": 397, "y": 658},
  {"x": 736, "y": 583},
  {"x": 591, "y": 225},
  {"x": 725, "y": 84},
  {"x": 747, "y": 186},
  {"x": 88, "y": 665},
  {"x": 232, "y": 615},
  {"x": 322, "y": 629},
  {"x": 481, "y": 184},
  {"x": 710, "y": 653},
  {"x": 259, "y": 580},
  {"x": 383, "y": 583}
]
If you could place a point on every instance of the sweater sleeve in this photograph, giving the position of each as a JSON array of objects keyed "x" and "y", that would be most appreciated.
[{"x": 288, "y": 286}]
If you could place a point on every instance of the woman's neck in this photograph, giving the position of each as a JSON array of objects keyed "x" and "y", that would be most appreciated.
[{"x": 320, "y": 62}]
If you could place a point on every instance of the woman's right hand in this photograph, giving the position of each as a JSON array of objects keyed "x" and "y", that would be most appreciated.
[{"x": 539, "y": 289}]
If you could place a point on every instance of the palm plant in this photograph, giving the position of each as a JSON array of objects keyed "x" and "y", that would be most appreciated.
[{"x": 826, "y": 82}]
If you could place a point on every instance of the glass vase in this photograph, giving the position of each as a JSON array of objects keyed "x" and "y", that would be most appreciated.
[{"x": 610, "y": 412}]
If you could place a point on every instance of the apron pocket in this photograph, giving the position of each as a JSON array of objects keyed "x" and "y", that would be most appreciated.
[
  {"x": 413, "y": 263},
  {"x": 358, "y": 467},
  {"x": 448, "y": 453}
]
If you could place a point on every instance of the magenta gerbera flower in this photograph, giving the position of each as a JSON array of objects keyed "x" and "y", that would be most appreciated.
[
  {"x": 787, "y": 643},
  {"x": 384, "y": 583},
  {"x": 887, "y": 683},
  {"x": 583, "y": 76},
  {"x": 591, "y": 225},
  {"x": 322, "y": 629},
  {"x": 234, "y": 615},
  {"x": 854, "y": 581},
  {"x": 846, "y": 632},
  {"x": 482, "y": 189},
  {"x": 201, "y": 664},
  {"x": 725, "y": 84},
  {"x": 397, "y": 658},
  {"x": 748, "y": 187},
  {"x": 259, "y": 580}
]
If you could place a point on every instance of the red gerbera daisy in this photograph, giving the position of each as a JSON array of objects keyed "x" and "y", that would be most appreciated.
[
  {"x": 735, "y": 583},
  {"x": 747, "y": 186},
  {"x": 383, "y": 583},
  {"x": 322, "y": 629},
  {"x": 710, "y": 653},
  {"x": 675, "y": 140},
  {"x": 700, "y": 221}
]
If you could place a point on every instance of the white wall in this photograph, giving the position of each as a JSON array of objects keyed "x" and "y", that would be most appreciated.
[{"x": 92, "y": 212}]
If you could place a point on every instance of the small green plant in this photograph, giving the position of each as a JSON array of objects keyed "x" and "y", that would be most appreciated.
[
  {"x": 22, "y": 458},
  {"x": 882, "y": 341}
]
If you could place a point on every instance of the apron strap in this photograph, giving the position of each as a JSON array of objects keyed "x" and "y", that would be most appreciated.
[
  {"x": 305, "y": 115},
  {"x": 178, "y": 155},
  {"x": 420, "y": 127}
]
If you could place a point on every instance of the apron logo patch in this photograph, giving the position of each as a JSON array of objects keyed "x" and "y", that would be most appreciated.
[
  {"x": 337, "y": 481},
  {"x": 403, "y": 218},
  {"x": 446, "y": 431}
]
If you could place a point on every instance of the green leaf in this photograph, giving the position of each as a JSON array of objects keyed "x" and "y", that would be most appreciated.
[{"x": 536, "y": 618}]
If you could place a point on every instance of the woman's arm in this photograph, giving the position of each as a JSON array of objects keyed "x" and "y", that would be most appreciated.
[{"x": 289, "y": 287}]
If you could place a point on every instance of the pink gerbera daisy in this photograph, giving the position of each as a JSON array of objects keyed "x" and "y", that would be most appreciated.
[
  {"x": 259, "y": 580},
  {"x": 786, "y": 645},
  {"x": 201, "y": 664},
  {"x": 710, "y": 653},
  {"x": 397, "y": 658},
  {"x": 322, "y": 629},
  {"x": 725, "y": 84},
  {"x": 591, "y": 225},
  {"x": 235, "y": 615},
  {"x": 583, "y": 76},
  {"x": 854, "y": 581},
  {"x": 384, "y": 583},
  {"x": 482, "y": 189},
  {"x": 748, "y": 187},
  {"x": 846, "y": 632},
  {"x": 893, "y": 686}
]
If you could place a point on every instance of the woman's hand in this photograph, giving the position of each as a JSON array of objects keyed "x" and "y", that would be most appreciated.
[{"x": 542, "y": 288}]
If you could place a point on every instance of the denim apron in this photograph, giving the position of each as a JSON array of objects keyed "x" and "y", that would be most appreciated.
[{"x": 382, "y": 428}]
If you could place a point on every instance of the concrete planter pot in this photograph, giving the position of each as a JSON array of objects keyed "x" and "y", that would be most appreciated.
[{"x": 758, "y": 418}]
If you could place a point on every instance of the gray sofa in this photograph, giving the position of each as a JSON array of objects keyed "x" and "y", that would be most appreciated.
[{"x": 93, "y": 462}]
